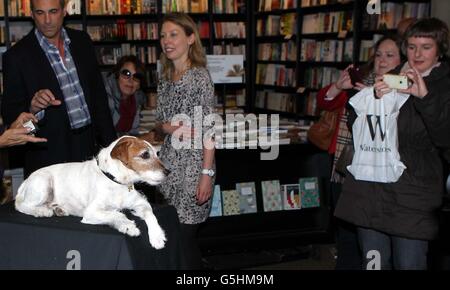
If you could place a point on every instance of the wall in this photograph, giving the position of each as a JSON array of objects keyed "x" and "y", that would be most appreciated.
[{"x": 441, "y": 10}]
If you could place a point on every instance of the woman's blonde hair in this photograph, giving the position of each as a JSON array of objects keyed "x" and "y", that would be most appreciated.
[{"x": 196, "y": 53}]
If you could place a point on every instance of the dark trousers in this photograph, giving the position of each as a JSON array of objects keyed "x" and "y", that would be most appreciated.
[
  {"x": 190, "y": 248},
  {"x": 347, "y": 246},
  {"x": 384, "y": 252}
]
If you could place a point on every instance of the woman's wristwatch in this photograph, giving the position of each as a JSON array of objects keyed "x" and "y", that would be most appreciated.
[{"x": 208, "y": 172}]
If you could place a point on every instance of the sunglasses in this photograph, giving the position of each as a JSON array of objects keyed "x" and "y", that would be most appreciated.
[{"x": 126, "y": 74}]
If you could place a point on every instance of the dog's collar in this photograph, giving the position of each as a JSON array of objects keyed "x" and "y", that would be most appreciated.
[{"x": 112, "y": 178}]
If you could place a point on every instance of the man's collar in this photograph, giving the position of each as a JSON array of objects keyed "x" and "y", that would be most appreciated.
[{"x": 46, "y": 43}]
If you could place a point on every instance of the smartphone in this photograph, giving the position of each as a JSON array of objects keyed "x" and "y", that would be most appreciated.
[
  {"x": 396, "y": 81},
  {"x": 356, "y": 75}
]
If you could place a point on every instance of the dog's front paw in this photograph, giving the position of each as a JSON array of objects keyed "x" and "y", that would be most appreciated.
[
  {"x": 129, "y": 228},
  {"x": 157, "y": 238},
  {"x": 42, "y": 211}
]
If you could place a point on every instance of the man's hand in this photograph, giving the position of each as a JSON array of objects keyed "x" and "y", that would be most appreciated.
[{"x": 43, "y": 99}]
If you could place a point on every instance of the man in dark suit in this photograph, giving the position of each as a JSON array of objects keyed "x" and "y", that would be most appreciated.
[{"x": 53, "y": 73}]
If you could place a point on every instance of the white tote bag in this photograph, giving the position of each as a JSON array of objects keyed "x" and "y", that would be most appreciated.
[{"x": 375, "y": 136}]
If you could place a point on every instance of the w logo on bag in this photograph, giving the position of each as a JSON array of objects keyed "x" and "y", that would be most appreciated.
[{"x": 377, "y": 125}]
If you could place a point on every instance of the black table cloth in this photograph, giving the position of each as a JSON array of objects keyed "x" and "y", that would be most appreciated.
[{"x": 27, "y": 242}]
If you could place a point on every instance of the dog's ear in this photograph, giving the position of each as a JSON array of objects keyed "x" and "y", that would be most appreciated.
[{"x": 120, "y": 151}]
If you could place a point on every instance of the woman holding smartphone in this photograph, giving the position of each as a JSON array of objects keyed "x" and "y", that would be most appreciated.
[
  {"x": 335, "y": 97},
  {"x": 396, "y": 220}
]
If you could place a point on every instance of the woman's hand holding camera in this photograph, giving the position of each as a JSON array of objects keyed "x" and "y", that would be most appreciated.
[
  {"x": 344, "y": 82},
  {"x": 418, "y": 88},
  {"x": 381, "y": 88}
]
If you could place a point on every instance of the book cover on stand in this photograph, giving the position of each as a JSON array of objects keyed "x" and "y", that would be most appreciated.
[
  {"x": 309, "y": 191},
  {"x": 247, "y": 197},
  {"x": 271, "y": 193},
  {"x": 216, "y": 206},
  {"x": 291, "y": 197},
  {"x": 230, "y": 200}
]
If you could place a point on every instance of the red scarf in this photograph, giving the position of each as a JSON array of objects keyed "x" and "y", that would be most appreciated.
[{"x": 127, "y": 110}]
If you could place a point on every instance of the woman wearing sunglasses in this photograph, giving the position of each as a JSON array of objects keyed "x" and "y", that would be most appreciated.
[{"x": 125, "y": 96}]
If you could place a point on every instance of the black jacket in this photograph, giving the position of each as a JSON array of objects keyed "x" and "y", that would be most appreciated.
[
  {"x": 26, "y": 70},
  {"x": 408, "y": 208}
]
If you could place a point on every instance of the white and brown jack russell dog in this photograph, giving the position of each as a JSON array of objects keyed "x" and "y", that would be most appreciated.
[{"x": 98, "y": 189}]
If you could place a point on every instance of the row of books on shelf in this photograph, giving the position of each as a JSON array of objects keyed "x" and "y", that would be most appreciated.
[
  {"x": 367, "y": 47},
  {"x": 285, "y": 51},
  {"x": 240, "y": 121},
  {"x": 117, "y": 7},
  {"x": 17, "y": 30},
  {"x": 269, "y": 5},
  {"x": 274, "y": 25},
  {"x": 393, "y": 13},
  {"x": 275, "y": 75},
  {"x": 18, "y": 8},
  {"x": 284, "y": 102},
  {"x": 189, "y": 6},
  {"x": 228, "y": 110},
  {"x": 2, "y": 33},
  {"x": 229, "y": 6},
  {"x": 123, "y": 7},
  {"x": 310, "y": 104},
  {"x": 233, "y": 98},
  {"x": 22, "y": 8},
  {"x": 318, "y": 77},
  {"x": 239, "y": 130},
  {"x": 123, "y": 31},
  {"x": 271, "y": 100},
  {"x": 309, "y": 3},
  {"x": 251, "y": 139},
  {"x": 331, "y": 50},
  {"x": 229, "y": 30},
  {"x": 248, "y": 130},
  {"x": 275, "y": 197},
  {"x": 147, "y": 118},
  {"x": 109, "y": 55},
  {"x": 229, "y": 49},
  {"x": 327, "y": 22}
]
